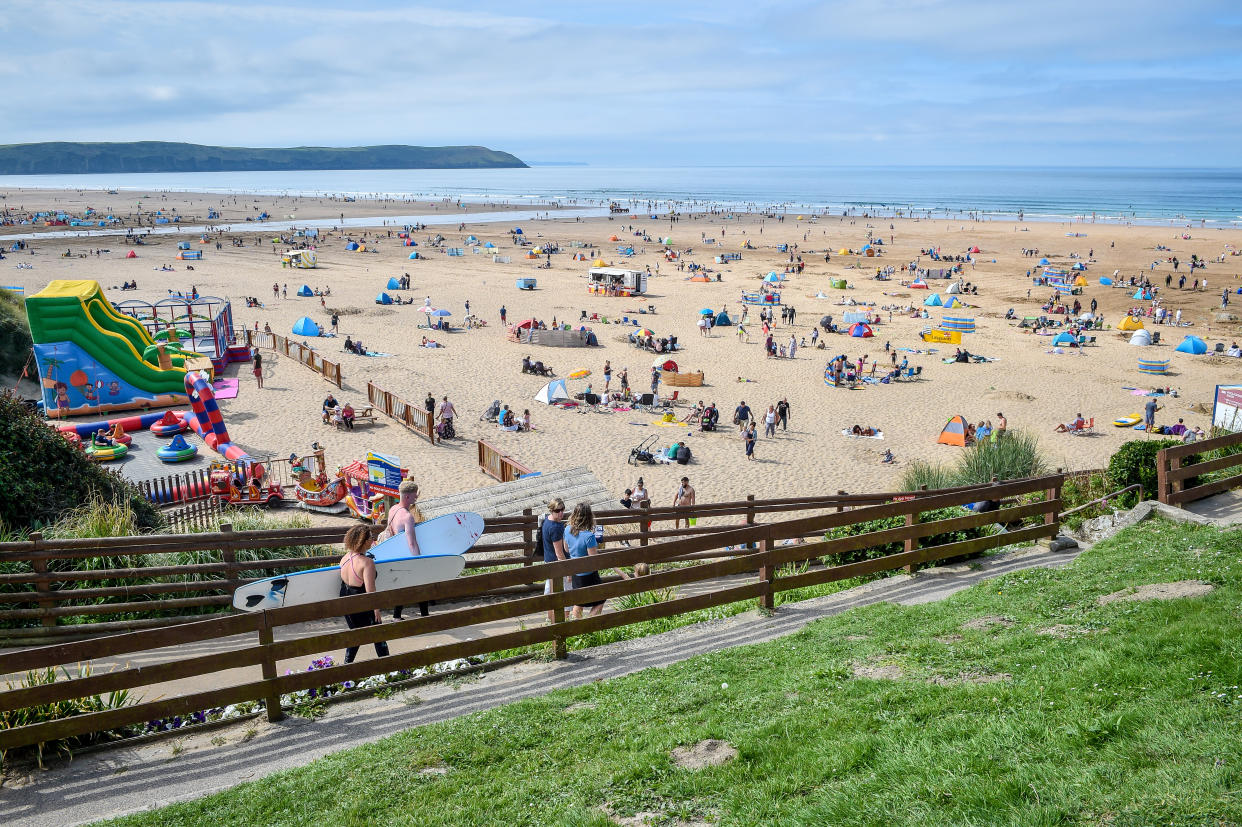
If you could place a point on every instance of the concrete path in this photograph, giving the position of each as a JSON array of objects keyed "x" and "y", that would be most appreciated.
[{"x": 118, "y": 781}]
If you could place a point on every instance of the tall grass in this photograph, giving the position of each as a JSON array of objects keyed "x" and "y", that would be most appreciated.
[
  {"x": 42, "y": 713},
  {"x": 1014, "y": 456},
  {"x": 932, "y": 474}
]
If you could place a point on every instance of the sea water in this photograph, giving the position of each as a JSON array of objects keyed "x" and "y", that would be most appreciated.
[{"x": 1203, "y": 197}]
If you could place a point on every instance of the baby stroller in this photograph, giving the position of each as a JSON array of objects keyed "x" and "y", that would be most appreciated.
[
  {"x": 492, "y": 412},
  {"x": 644, "y": 452}
]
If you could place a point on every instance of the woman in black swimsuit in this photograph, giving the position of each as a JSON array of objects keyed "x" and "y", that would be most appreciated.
[{"x": 358, "y": 577}]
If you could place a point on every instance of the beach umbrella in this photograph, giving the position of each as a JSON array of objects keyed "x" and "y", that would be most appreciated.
[
  {"x": 441, "y": 312},
  {"x": 580, "y": 374},
  {"x": 706, "y": 311},
  {"x": 646, "y": 331}
]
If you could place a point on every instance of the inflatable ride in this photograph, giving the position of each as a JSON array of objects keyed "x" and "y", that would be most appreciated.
[
  {"x": 168, "y": 425},
  {"x": 176, "y": 451}
]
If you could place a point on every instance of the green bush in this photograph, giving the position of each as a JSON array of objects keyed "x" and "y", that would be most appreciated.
[
  {"x": 1014, "y": 456},
  {"x": 1135, "y": 462},
  {"x": 886, "y": 549},
  {"x": 932, "y": 474},
  {"x": 43, "y": 476},
  {"x": 15, "y": 342}
]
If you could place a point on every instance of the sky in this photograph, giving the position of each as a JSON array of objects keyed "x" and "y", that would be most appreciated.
[{"x": 631, "y": 82}]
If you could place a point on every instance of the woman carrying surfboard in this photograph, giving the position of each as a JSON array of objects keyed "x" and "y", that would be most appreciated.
[
  {"x": 402, "y": 518},
  {"x": 358, "y": 577}
]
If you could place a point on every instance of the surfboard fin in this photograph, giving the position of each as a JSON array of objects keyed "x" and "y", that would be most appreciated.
[
  {"x": 253, "y": 600},
  {"x": 279, "y": 585}
]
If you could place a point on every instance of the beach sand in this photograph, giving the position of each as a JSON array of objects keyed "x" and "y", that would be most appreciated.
[{"x": 1035, "y": 389}]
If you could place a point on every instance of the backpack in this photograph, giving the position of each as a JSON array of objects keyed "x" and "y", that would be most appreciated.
[{"x": 538, "y": 551}]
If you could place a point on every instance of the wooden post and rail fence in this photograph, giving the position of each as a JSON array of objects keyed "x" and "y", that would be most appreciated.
[
  {"x": 414, "y": 417},
  {"x": 1178, "y": 484},
  {"x": 496, "y": 463},
  {"x": 135, "y": 574},
  {"x": 299, "y": 352},
  {"x": 1030, "y": 509}
]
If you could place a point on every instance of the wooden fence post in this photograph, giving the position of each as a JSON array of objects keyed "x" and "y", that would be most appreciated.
[
  {"x": 528, "y": 533},
  {"x": 840, "y": 507},
  {"x": 227, "y": 554},
  {"x": 271, "y": 696},
  {"x": 913, "y": 543},
  {"x": 1051, "y": 517},
  {"x": 766, "y": 575},
  {"x": 645, "y": 526},
  {"x": 750, "y": 513},
  {"x": 558, "y": 617},
  {"x": 42, "y": 584}
]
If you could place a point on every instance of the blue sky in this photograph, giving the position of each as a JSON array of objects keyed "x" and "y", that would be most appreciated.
[{"x": 853, "y": 82}]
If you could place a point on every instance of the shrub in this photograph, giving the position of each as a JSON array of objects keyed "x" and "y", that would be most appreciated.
[
  {"x": 15, "y": 342},
  {"x": 43, "y": 476},
  {"x": 886, "y": 549},
  {"x": 919, "y": 473},
  {"x": 1014, "y": 456},
  {"x": 1135, "y": 462}
]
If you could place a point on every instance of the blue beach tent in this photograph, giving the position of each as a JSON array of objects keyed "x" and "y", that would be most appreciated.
[
  {"x": 305, "y": 327},
  {"x": 1193, "y": 345}
]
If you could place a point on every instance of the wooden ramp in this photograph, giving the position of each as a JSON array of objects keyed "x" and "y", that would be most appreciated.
[{"x": 510, "y": 498}]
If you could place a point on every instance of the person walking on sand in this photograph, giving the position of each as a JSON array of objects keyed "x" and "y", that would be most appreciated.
[
  {"x": 258, "y": 367},
  {"x": 748, "y": 437},
  {"x": 769, "y": 422},
  {"x": 684, "y": 496},
  {"x": 358, "y": 577},
  {"x": 782, "y": 413},
  {"x": 503, "y": 313},
  {"x": 403, "y": 517},
  {"x": 607, "y": 376}
]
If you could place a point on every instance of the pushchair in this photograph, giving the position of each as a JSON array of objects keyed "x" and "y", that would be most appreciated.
[
  {"x": 645, "y": 451},
  {"x": 492, "y": 413}
]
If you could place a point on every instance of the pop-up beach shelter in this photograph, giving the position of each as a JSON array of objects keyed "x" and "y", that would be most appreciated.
[
  {"x": 722, "y": 319},
  {"x": 305, "y": 327},
  {"x": 1106, "y": 281},
  {"x": 954, "y": 432},
  {"x": 1043, "y": 261},
  {"x": 393, "y": 284},
  {"x": 1193, "y": 345},
  {"x": 918, "y": 284},
  {"x": 933, "y": 300},
  {"x": 861, "y": 331},
  {"x": 304, "y": 291},
  {"x": 1141, "y": 338},
  {"x": 383, "y": 298},
  {"x": 552, "y": 392},
  {"x": 131, "y": 254},
  {"x": 351, "y": 246},
  {"x": 1064, "y": 339},
  {"x": 1130, "y": 323},
  {"x": 955, "y": 287},
  {"x": 953, "y": 302},
  {"x": 183, "y": 245},
  {"x": 974, "y": 249}
]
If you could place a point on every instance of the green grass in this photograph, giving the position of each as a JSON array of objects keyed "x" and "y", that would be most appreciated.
[{"x": 1132, "y": 718}]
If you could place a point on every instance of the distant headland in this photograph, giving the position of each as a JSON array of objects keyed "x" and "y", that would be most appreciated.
[{"x": 59, "y": 158}]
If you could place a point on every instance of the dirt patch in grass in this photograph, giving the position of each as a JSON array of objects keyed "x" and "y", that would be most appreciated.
[
  {"x": 856, "y": 638},
  {"x": 987, "y": 622},
  {"x": 709, "y": 753},
  {"x": 947, "y": 639},
  {"x": 971, "y": 677},
  {"x": 878, "y": 672},
  {"x": 581, "y": 707},
  {"x": 1065, "y": 630},
  {"x": 1159, "y": 591}
]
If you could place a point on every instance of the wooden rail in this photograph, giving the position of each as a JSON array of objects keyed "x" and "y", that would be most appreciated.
[
  {"x": 196, "y": 516},
  {"x": 496, "y": 463},
  {"x": 1172, "y": 475},
  {"x": 294, "y": 350},
  {"x": 121, "y": 579},
  {"x": 414, "y": 417},
  {"x": 735, "y": 551}
]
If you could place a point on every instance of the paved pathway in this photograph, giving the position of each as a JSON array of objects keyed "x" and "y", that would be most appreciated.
[{"x": 119, "y": 781}]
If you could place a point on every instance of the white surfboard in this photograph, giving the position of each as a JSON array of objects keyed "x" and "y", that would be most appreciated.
[
  {"x": 443, "y": 539},
  {"x": 451, "y": 534},
  {"x": 315, "y": 585}
]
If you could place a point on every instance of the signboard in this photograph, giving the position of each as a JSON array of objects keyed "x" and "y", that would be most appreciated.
[
  {"x": 1227, "y": 412},
  {"x": 383, "y": 473}
]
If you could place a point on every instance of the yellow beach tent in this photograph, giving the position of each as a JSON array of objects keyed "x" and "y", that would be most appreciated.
[
  {"x": 1081, "y": 281},
  {"x": 1130, "y": 323}
]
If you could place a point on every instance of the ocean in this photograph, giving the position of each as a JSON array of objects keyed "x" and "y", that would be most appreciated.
[{"x": 1204, "y": 197}]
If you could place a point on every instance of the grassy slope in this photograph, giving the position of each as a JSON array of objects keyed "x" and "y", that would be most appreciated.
[{"x": 1123, "y": 723}]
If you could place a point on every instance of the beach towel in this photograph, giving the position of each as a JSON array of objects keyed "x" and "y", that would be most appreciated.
[{"x": 847, "y": 432}]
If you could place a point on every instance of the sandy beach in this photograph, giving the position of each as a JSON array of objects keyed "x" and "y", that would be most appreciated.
[{"x": 1034, "y": 388}]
